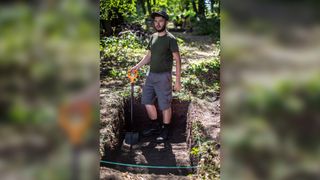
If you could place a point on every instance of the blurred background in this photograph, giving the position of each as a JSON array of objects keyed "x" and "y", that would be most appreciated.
[
  {"x": 49, "y": 84},
  {"x": 270, "y": 89}
]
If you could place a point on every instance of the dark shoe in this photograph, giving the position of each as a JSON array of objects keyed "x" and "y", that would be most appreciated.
[
  {"x": 153, "y": 128},
  {"x": 163, "y": 135}
]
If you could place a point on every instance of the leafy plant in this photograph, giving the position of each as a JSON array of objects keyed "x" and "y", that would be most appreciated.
[
  {"x": 205, "y": 152},
  {"x": 202, "y": 77},
  {"x": 209, "y": 165},
  {"x": 209, "y": 26},
  {"x": 112, "y": 9},
  {"x": 195, "y": 151},
  {"x": 118, "y": 54}
]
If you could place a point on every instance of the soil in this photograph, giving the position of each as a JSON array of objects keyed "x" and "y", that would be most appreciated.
[
  {"x": 173, "y": 152},
  {"x": 176, "y": 151},
  {"x": 111, "y": 174}
]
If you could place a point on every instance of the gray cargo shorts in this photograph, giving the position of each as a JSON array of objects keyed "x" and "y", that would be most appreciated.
[{"x": 158, "y": 85}]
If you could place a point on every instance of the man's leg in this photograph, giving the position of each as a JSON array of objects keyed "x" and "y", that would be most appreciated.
[
  {"x": 167, "y": 113},
  {"x": 164, "y": 94},
  {"x": 152, "y": 111},
  {"x": 154, "y": 126},
  {"x": 148, "y": 96}
]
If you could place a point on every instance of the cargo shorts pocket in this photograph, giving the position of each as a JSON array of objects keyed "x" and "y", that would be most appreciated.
[
  {"x": 148, "y": 92},
  {"x": 163, "y": 90}
]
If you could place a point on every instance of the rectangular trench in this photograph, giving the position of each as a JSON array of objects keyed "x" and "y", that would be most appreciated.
[{"x": 174, "y": 152}]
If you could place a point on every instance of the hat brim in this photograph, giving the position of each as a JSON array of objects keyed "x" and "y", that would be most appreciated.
[{"x": 154, "y": 14}]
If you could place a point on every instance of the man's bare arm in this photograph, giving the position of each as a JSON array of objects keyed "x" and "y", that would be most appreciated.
[
  {"x": 177, "y": 58},
  {"x": 145, "y": 60}
]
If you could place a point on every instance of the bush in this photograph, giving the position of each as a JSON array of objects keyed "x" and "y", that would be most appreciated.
[
  {"x": 276, "y": 120},
  {"x": 202, "y": 78},
  {"x": 205, "y": 152},
  {"x": 117, "y": 54},
  {"x": 209, "y": 165},
  {"x": 207, "y": 27}
]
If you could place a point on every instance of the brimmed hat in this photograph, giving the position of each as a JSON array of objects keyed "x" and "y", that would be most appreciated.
[{"x": 160, "y": 13}]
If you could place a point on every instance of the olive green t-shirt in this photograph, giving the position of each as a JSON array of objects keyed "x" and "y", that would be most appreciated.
[{"x": 162, "y": 48}]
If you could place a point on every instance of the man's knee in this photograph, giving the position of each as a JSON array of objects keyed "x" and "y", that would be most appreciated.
[
  {"x": 164, "y": 106},
  {"x": 149, "y": 106},
  {"x": 166, "y": 109}
]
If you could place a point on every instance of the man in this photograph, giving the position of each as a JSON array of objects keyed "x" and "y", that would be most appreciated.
[{"x": 162, "y": 49}]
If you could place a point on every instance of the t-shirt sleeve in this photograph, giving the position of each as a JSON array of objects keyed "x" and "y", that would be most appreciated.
[
  {"x": 173, "y": 45},
  {"x": 149, "y": 44}
]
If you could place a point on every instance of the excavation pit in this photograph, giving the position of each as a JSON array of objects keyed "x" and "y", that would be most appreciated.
[{"x": 148, "y": 152}]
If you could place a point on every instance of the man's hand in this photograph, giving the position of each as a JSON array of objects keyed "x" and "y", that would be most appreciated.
[
  {"x": 134, "y": 68},
  {"x": 177, "y": 86}
]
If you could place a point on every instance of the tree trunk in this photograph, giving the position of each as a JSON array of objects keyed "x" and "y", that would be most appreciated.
[
  {"x": 142, "y": 6},
  {"x": 201, "y": 8},
  {"x": 154, "y": 2},
  {"x": 149, "y": 7},
  {"x": 194, "y": 7},
  {"x": 211, "y": 5},
  {"x": 218, "y": 8},
  {"x": 186, "y": 5}
]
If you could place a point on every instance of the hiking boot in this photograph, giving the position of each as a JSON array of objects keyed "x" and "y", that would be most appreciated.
[
  {"x": 164, "y": 134},
  {"x": 153, "y": 128}
]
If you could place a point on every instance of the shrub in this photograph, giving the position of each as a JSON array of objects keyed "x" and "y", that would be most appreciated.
[
  {"x": 117, "y": 54},
  {"x": 208, "y": 26},
  {"x": 202, "y": 78}
]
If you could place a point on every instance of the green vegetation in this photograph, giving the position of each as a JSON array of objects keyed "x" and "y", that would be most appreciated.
[
  {"x": 48, "y": 56},
  {"x": 201, "y": 78},
  {"x": 125, "y": 31},
  {"x": 205, "y": 152},
  {"x": 200, "y": 16},
  {"x": 118, "y": 54},
  {"x": 209, "y": 162},
  {"x": 280, "y": 121},
  {"x": 41, "y": 61}
]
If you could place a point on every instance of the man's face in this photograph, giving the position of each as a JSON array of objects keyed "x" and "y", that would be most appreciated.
[{"x": 159, "y": 23}]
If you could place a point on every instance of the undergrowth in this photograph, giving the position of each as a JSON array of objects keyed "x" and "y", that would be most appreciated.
[
  {"x": 202, "y": 78},
  {"x": 205, "y": 153}
]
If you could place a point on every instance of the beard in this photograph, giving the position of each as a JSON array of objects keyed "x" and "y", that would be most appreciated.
[{"x": 162, "y": 29}]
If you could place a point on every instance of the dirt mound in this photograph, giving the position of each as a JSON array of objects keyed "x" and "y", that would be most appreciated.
[{"x": 111, "y": 120}]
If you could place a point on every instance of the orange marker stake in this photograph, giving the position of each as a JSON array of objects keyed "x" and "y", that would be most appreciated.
[{"x": 75, "y": 120}]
